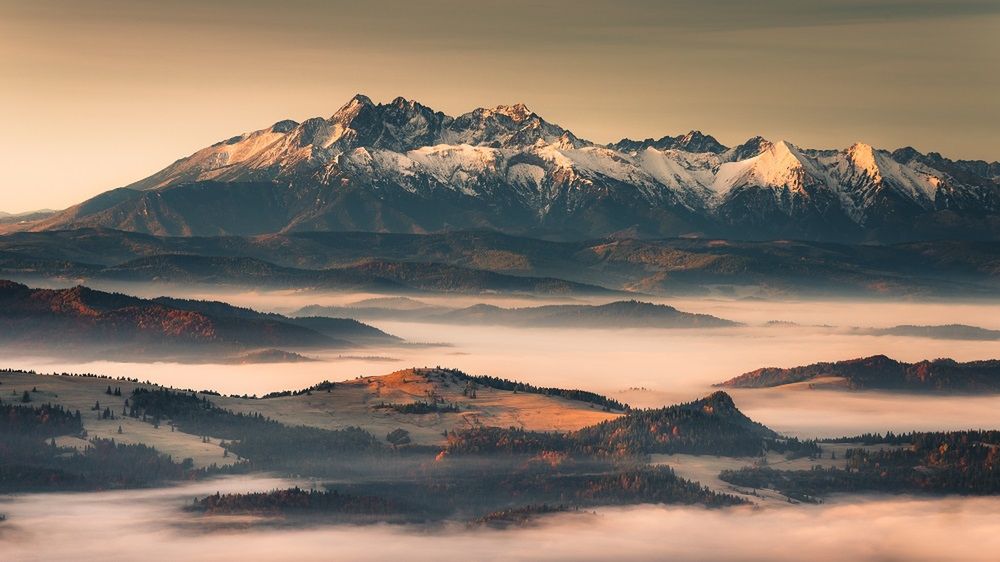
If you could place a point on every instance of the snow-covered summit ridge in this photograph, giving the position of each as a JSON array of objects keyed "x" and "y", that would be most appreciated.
[{"x": 511, "y": 154}]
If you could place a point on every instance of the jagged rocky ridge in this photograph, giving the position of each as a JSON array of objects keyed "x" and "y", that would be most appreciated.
[{"x": 403, "y": 167}]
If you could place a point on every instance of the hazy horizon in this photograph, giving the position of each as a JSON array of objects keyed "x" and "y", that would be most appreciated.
[
  {"x": 141, "y": 84},
  {"x": 645, "y": 367}
]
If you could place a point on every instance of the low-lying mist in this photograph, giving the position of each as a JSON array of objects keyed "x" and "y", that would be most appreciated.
[
  {"x": 644, "y": 367},
  {"x": 150, "y": 524}
]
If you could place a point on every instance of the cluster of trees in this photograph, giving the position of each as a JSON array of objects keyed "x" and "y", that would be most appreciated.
[
  {"x": 503, "y": 518},
  {"x": 510, "y": 440},
  {"x": 419, "y": 407},
  {"x": 31, "y": 460},
  {"x": 961, "y": 462},
  {"x": 40, "y": 422},
  {"x": 875, "y": 438},
  {"x": 652, "y": 484},
  {"x": 291, "y": 500},
  {"x": 265, "y": 442},
  {"x": 325, "y": 386}
]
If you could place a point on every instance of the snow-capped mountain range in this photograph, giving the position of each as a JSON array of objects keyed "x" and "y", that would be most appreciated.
[{"x": 403, "y": 167}]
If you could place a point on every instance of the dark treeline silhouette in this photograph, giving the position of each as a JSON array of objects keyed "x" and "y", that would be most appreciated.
[
  {"x": 325, "y": 386},
  {"x": 514, "y": 516},
  {"x": 419, "y": 407},
  {"x": 874, "y": 438},
  {"x": 82, "y": 375},
  {"x": 291, "y": 501},
  {"x": 41, "y": 422}
]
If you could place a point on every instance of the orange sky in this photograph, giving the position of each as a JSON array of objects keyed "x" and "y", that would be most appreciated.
[{"x": 97, "y": 94}]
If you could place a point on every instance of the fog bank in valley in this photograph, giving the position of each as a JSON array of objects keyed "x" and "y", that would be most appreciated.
[
  {"x": 644, "y": 367},
  {"x": 150, "y": 524}
]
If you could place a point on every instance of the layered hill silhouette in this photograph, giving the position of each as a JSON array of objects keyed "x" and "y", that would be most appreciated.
[
  {"x": 404, "y": 167},
  {"x": 367, "y": 275},
  {"x": 883, "y": 373},
  {"x": 941, "y": 332},
  {"x": 710, "y": 425},
  {"x": 371, "y": 262},
  {"x": 77, "y": 319},
  {"x": 618, "y": 314}
]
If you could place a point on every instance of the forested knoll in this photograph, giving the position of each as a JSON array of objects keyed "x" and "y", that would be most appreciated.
[
  {"x": 955, "y": 462},
  {"x": 883, "y": 373}
]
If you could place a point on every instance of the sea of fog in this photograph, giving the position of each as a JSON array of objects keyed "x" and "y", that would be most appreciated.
[
  {"x": 647, "y": 367},
  {"x": 644, "y": 367},
  {"x": 151, "y": 525}
]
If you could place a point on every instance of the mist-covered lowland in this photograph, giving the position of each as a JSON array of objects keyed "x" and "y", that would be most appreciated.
[{"x": 221, "y": 422}]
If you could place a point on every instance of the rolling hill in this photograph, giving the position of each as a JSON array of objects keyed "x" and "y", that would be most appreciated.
[
  {"x": 618, "y": 314},
  {"x": 943, "y": 269},
  {"x": 81, "y": 321},
  {"x": 882, "y": 373}
]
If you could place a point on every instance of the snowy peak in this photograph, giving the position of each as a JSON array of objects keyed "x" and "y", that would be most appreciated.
[
  {"x": 399, "y": 125},
  {"x": 509, "y": 157},
  {"x": 862, "y": 156},
  {"x": 781, "y": 166},
  {"x": 503, "y": 126}
]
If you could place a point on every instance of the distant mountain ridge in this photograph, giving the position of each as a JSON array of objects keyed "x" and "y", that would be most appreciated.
[
  {"x": 330, "y": 260},
  {"x": 79, "y": 319},
  {"x": 404, "y": 167},
  {"x": 367, "y": 275},
  {"x": 618, "y": 314},
  {"x": 883, "y": 373}
]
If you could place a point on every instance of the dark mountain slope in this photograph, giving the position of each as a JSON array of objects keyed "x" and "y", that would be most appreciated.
[{"x": 946, "y": 268}]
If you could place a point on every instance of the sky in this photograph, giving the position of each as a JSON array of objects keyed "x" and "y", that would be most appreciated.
[{"x": 95, "y": 94}]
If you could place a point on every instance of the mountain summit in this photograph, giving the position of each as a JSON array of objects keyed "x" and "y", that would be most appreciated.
[{"x": 404, "y": 167}]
